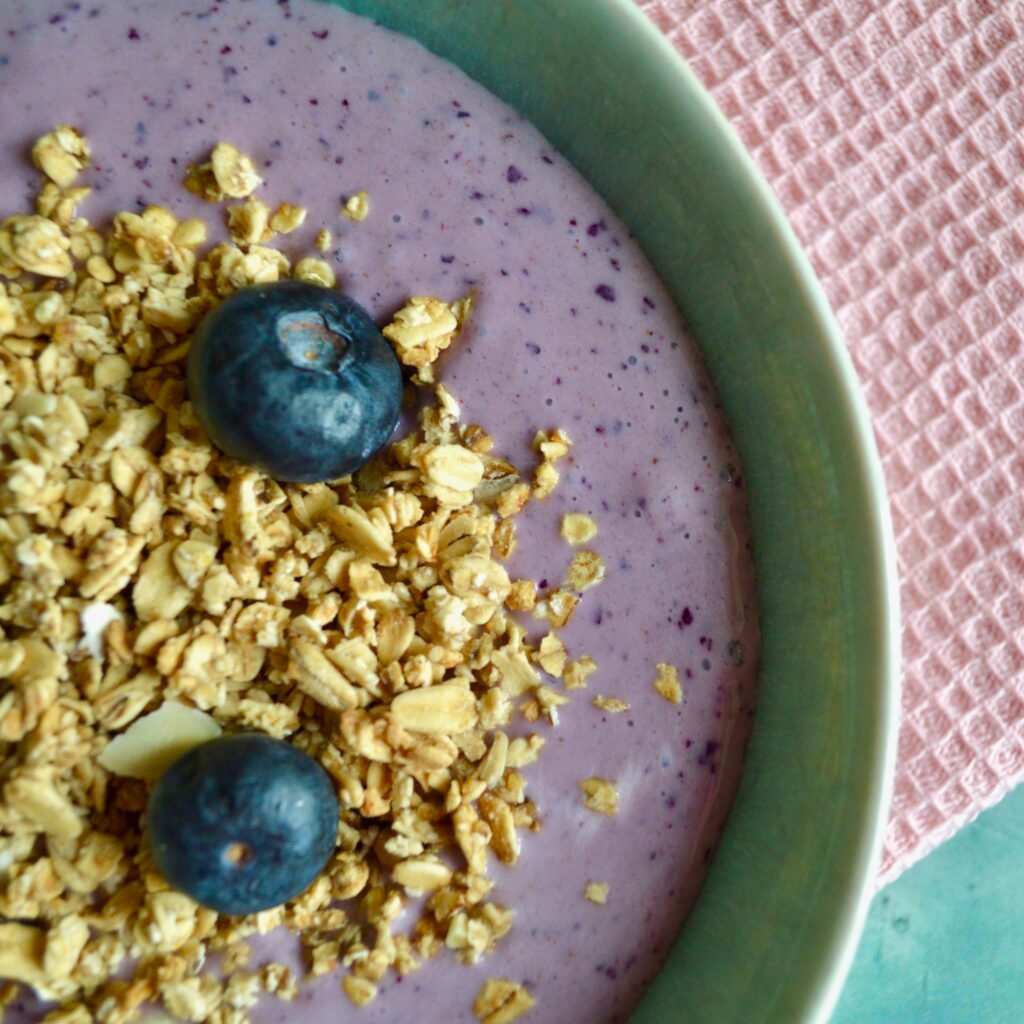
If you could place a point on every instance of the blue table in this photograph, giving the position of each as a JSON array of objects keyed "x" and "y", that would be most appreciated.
[{"x": 944, "y": 944}]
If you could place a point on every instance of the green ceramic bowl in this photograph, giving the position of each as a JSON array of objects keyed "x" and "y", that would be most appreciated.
[{"x": 773, "y": 932}]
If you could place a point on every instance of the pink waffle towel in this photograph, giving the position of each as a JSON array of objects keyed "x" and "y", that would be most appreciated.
[{"x": 892, "y": 132}]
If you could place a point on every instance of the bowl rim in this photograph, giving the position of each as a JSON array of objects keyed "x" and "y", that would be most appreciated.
[{"x": 823, "y": 988}]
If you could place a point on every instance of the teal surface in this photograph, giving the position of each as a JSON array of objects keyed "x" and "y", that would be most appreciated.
[{"x": 944, "y": 944}]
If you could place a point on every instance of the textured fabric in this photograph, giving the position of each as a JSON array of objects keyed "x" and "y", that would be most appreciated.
[{"x": 891, "y": 132}]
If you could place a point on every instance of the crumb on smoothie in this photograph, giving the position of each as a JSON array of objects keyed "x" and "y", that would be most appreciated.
[
  {"x": 667, "y": 683},
  {"x": 501, "y": 1001},
  {"x": 586, "y": 571},
  {"x": 558, "y": 607},
  {"x": 228, "y": 174},
  {"x": 288, "y": 218},
  {"x": 156, "y": 592},
  {"x": 523, "y": 596},
  {"x": 62, "y": 154},
  {"x": 552, "y": 655},
  {"x": 597, "y": 892},
  {"x": 577, "y": 672},
  {"x": 600, "y": 795},
  {"x": 552, "y": 447},
  {"x": 249, "y": 222},
  {"x": 357, "y": 206},
  {"x": 613, "y": 705},
  {"x": 421, "y": 330},
  {"x": 578, "y": 528},
  {"x": 315, "y": 271},
  {"x": 359, "y": 990}
]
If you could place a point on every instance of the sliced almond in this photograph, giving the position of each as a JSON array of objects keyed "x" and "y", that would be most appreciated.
[{"x": 154, "y": 742}]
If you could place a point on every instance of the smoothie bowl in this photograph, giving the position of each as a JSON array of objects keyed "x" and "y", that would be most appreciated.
[{"x": 511, "y": 650}]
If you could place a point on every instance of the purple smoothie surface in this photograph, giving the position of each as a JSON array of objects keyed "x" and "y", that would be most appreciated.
[{"x": 571, "y": 328}]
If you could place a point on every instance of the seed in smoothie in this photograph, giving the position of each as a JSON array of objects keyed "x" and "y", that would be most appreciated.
[{"x": 294, "y": 379}]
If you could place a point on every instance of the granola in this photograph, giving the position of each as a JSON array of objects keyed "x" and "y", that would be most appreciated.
[
  {"x": 666, "y": 682},
  {"x": 501, "y": 1001},
  {"x": 600, "y": 795},
  {"x": 357, "y": 206},
  {"x": 154, "y": 592}
]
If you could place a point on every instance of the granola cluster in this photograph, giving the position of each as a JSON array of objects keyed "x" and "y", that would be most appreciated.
[{"x": 370, "y": 622}]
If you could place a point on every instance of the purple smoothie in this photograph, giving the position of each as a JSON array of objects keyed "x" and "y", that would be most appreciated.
[{"x": 571, "y": 329}]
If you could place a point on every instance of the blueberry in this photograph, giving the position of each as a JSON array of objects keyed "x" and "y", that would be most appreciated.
[
  {"x": 242, "y": 823},
  {"x": 294, "y": 379}
]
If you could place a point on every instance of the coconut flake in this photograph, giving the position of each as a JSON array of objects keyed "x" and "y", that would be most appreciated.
[{"x": 93, "y": 621}]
